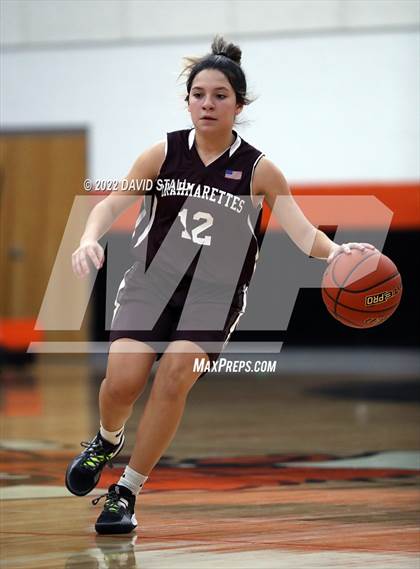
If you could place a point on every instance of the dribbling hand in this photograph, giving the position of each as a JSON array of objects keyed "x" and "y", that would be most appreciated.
[
  {"x": 347, "y": 247},
  {"x": 91, "y": 250}
]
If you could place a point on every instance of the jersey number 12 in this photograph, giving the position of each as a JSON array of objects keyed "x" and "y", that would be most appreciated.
[{"x": 196, "y": 231}]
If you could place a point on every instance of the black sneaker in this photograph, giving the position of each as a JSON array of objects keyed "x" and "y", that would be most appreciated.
[
  {"x": 118, "y": 514},
  {"x": 83, "y": 473}
]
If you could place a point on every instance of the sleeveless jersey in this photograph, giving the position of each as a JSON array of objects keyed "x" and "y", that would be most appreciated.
[{"x": 199, "y": 219}]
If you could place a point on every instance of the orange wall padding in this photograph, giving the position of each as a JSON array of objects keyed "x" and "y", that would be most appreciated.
[
  {"x": 18, "y": 333},
  {"x": 402, "y": 198}
]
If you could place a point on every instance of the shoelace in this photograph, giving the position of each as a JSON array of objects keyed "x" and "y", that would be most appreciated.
[
  {"x": 98, "y": 455},
  {"x": 113, "y": 501}
]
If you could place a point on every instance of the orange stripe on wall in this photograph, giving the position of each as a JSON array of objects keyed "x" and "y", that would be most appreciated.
[
  {"x": 18, "y": 333},
  {"x": 125, "y": 223},
  {"x": 128, "y": 219},
  {"x": 402, "y": 199}
]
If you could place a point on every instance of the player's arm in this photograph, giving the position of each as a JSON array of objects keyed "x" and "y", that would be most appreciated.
[
  {"x": 270, "y": 183},
  {"x": 103, "y": 215}
]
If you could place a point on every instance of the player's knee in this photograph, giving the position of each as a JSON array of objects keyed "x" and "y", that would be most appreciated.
[
  {"x": 123, "y": 389},
  {"x": 175, "y": 382}
]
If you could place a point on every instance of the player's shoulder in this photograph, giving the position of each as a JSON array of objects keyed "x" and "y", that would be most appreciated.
[
  {"x": 171, "y": 137},
  {"x": 149, "y": 162},
  {"x": 266, "y": 166},
  {"x": 154, "y": 153},
  {"x": 158, "y": 154},
  {"x": 246, "y": 153},
  {"x": 268, "y": 175}
]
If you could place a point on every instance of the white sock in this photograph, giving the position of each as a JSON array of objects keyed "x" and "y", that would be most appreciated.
[
  {"x": 113, "y": 437},
  {"x": 132, "y": 480}
]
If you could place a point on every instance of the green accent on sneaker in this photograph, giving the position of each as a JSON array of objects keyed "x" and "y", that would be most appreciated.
[
  {"x": 95, "y": 460},
  {"x": 112, "y": 500},
  {"x": 83, "y": 473}
]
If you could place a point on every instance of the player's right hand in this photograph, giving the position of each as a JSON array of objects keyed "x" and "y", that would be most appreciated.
[
  {"x": 347, "y": 248},
  {"x": 89, "y": 251}
]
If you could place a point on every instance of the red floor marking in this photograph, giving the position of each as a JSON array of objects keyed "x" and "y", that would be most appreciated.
[{"x": 47, "y": 468}]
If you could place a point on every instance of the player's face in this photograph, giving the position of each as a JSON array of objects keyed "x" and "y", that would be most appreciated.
[{"x": 212, "y": 101}]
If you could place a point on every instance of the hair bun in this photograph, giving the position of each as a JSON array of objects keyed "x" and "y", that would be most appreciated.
[{"x": 230, "y": 50}]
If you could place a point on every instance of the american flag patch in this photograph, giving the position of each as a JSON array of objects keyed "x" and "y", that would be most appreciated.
[{"x": 233, "y": 174}]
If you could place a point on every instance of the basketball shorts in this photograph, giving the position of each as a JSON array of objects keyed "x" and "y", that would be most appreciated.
[{"x": 142, "y": 314}]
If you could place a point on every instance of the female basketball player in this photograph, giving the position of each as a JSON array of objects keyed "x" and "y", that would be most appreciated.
[{"x": 208, "y": 184}]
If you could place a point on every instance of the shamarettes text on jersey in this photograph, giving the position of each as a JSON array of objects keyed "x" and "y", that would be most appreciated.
[{"x": 200, "y": 220}]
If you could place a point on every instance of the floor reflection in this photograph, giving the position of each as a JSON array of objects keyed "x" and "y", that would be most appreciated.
[{"x": 111, "y": 552}]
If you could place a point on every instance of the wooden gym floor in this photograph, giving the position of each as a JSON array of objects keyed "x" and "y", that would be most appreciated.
[{"x": 287, "y": 470}]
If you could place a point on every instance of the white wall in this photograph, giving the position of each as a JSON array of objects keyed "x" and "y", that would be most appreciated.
[
  {"x": 35, "y": 22},
  {"x": 329, "y": 107}
]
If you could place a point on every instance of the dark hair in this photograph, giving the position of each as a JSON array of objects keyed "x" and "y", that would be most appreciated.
[{"x": 225, "y": 57}]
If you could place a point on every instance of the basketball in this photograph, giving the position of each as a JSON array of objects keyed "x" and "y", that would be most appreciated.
[{"x": 361, "y": 289}]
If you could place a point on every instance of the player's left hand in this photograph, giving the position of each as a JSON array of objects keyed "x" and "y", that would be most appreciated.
[{"x": 347, "y": 247}]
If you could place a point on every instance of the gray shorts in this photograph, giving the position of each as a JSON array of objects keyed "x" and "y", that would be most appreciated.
[{"x": 143, "y": 313}]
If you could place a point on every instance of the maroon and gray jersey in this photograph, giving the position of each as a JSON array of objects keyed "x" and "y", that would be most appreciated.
[{"x": 199, "y": 219}]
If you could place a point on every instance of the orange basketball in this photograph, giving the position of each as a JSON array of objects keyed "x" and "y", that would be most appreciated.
[{"x": 361, "y": 289}]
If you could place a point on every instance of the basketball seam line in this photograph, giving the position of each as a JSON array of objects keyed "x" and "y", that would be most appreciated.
[
  {"x": 353, "y": 269},
  {"x": 373, "y": 286},
  {"x": 348, "y": 276}
]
